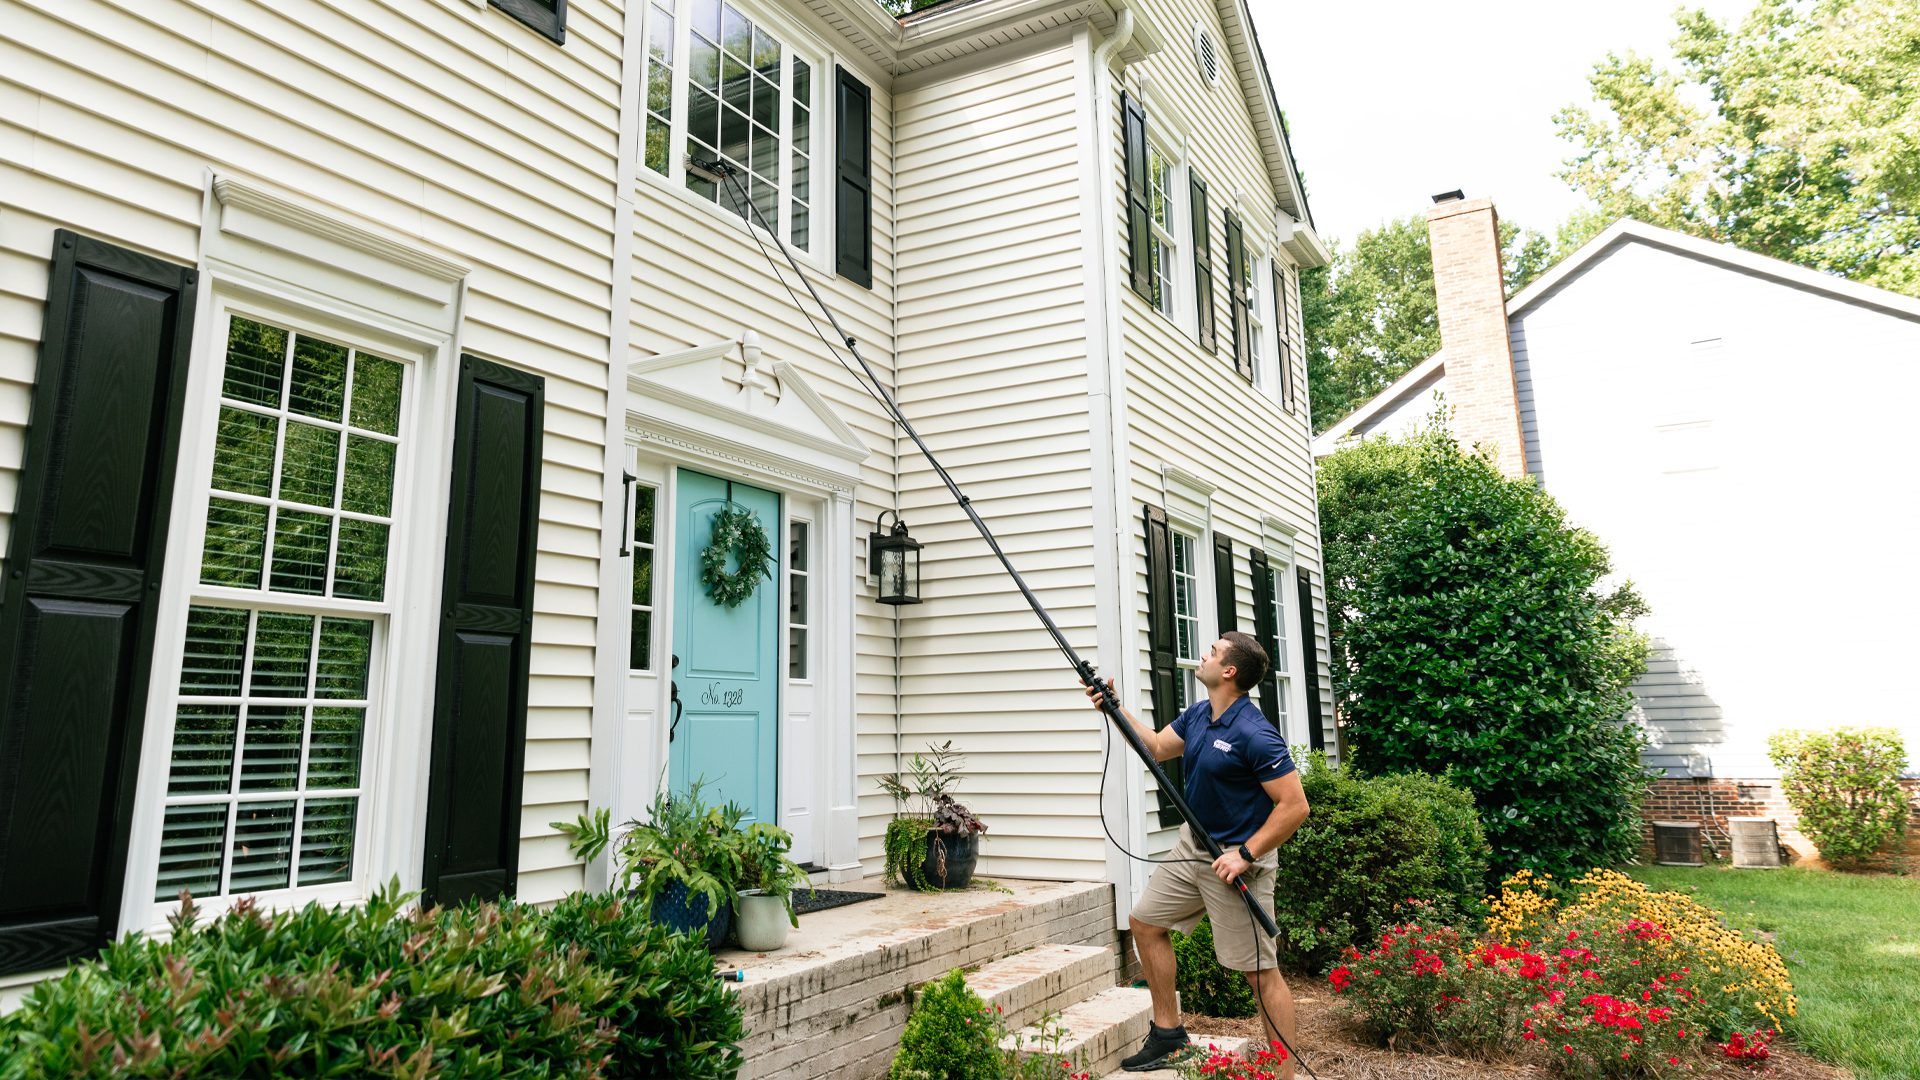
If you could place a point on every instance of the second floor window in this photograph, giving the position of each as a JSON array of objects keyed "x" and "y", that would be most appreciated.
[
  {"x": 1186, "y": 615},
  {"x": 1256, "y": 313},
  {"x": 1159, "y": 179},
  {"x": 722, "y": 85}
]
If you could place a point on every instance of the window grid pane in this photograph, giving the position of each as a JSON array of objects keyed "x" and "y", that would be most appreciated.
[
  {"x": 302, "y": 485},
  {"x": 798, "y": 617},
  {"x": 1159, "y": 179},
  {"x": 1279, "y": 659},
  {"x": 750, "y": 105},
  {"x": 640, "y": 633},
  {"x": 1186, "y": 599},
  {"x": 273, "y": 709}
]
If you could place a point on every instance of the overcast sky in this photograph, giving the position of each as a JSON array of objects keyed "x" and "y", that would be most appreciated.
[{"x": 1391, "y": 102}]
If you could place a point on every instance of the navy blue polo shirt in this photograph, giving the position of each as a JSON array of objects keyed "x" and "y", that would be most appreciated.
[{"x": 1227, "y": 759}]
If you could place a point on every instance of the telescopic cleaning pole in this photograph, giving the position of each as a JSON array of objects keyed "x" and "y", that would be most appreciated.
[{"x": 1109, "y": 704}]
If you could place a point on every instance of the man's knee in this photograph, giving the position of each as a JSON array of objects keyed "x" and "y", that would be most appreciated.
[{"x": 1145, "y": 930}]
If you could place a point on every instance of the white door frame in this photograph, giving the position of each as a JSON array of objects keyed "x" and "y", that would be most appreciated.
[{"x": 721, "y": 410}]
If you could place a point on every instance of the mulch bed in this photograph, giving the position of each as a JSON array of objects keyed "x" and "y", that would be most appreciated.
[{"x": 1338, "y": 1051}]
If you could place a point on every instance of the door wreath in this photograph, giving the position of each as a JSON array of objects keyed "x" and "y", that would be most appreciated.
[{"x": 736, "y": 531}]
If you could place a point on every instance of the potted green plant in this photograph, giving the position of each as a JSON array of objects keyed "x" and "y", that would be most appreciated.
[
  {"x": 682, "y": 865},
  {"x": 767, "y": 880},
  {"x": 935, "y": 844}
]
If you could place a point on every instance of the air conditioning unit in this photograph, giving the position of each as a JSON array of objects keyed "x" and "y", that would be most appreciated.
[
  {"x": 1677, "y": 843},
  {"x": 1756, "y": 842}
]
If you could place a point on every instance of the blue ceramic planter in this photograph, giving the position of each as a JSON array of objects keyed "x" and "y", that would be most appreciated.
[{"x": 677, "y": 909}]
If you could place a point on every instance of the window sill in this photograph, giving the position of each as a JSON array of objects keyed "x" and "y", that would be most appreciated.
[{"x": 810, "y": 260}]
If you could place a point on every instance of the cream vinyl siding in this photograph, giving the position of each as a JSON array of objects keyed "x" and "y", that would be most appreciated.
[
  {"x": 441, "y": 124},
  {"x": 699, "y": 278},
  {"x": 1187, "y": 407},
  {"x": 992, "y": 325}
]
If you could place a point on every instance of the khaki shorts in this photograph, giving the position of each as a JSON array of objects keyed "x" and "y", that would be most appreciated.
[{"x": 1179, "y": 893}]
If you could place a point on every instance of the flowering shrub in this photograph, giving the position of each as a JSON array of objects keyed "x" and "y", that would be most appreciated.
[
  {"x": 1749, "y": 1050},
  {"x": 1620, "y": 982},
  {"x": 1258, "y": 1064},
  {"x": 1744, "y": 981},
  {"x": 1402, "y": 985},
  {"x": 1845, "y": 785}
]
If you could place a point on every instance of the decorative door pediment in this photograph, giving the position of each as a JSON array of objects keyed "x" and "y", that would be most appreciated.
[{"x": 725, "y": 401}]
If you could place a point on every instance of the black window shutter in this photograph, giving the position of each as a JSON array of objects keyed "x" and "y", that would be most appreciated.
[
  {"x": 480, "y": 695},
  {"x": 548, "y": 17},
  {"x": 1310, "y": 662},
  {"x": 1266, "y": 632},
  {"x": 1280, "y": 335},
  {"x": 77, "y": 616},
  {"x": 1202, "y": 258},
  {"x": 1237, "y": 297},
  {"x": 1139, "y": 212},
  {"x": 1163, "y": 655},
  {"x": 1223, "y": 603},
  {"x": 853, "y": 179}
]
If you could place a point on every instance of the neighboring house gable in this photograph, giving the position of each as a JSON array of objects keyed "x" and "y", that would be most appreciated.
[{"x": 1672, "y": 391}]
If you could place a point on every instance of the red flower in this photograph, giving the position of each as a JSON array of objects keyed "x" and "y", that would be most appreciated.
[{"x": 1340, "y": 977}]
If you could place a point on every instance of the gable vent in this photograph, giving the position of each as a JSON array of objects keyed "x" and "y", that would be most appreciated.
[{"x": 1207, "y": 54}]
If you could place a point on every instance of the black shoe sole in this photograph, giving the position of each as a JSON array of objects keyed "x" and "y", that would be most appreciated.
[{"x": 1161, "y": 1062}]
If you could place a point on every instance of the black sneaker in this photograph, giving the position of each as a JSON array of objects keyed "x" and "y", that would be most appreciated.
[{"x": 1161, "y": 1047}]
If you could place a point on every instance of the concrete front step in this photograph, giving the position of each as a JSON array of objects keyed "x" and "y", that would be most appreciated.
[
  {"x": 1028, "y": 985},
  {"x": 1099, "y": 1031},
  {"x": 1202, "y": 1045},
  {"x": 832, "y": 1004}
]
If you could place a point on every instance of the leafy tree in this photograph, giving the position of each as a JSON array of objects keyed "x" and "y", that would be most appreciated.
[
  {"x": 1476, "y": 641},
  {"x": 1795, "y": 135},
  {"x": 1370, "y": 314}
]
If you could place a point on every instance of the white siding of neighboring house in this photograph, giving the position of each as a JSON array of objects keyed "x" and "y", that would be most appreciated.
[
  {"x": 445, "y": 125},
  {"x": 1756, "y": 492},
  {"x": 1189, "y": 409},
  {"x": 993, "y": 352},
  {"x": 699, "y": 278}
]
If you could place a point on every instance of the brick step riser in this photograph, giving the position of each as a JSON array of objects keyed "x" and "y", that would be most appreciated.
[{"x": 845, "y": 1021}]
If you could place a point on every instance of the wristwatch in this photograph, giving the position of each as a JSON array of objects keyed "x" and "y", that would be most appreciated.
[{"x": 1247, "y": 855}]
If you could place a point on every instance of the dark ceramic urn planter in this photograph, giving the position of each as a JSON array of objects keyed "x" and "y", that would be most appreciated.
[{"x": 950, "y": 860}]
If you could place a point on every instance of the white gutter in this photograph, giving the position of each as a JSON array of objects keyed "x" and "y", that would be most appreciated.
[{"x": 1122, "y": 786}]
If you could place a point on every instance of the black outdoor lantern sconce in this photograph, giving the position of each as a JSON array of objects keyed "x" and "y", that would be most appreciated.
[{"x": 895, "y": 557}]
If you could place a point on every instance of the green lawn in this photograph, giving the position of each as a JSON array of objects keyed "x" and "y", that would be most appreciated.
[{"x": 1852, "y": 947}]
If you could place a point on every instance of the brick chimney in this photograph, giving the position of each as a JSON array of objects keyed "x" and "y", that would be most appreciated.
[{"x": 1464, "y": 235}]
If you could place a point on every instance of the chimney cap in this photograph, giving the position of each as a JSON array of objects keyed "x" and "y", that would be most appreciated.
[{"x": 1449, "y": 196}]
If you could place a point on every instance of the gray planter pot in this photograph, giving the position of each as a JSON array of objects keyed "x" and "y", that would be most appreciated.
[{"x": 762, "y": 925}]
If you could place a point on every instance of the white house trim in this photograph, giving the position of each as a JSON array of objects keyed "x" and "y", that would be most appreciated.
[{"x": 1327, "y": 441}]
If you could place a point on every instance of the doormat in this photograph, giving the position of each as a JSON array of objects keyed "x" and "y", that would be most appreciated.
[{"x": 805, "y": 903}]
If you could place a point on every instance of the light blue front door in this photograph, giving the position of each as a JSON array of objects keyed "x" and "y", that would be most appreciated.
[{"x": 728, "y": 676}]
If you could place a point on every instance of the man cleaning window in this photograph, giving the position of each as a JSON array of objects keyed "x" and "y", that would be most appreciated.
[{"x": 1245, "y": 792}]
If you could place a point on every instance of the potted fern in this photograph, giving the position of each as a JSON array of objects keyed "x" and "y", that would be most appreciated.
[
  {"x": 683, "y": 865},
  {"x": 935, "y": 844}
]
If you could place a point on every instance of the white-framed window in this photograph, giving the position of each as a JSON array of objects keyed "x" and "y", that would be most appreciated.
[
  {"x": 1246, "y": 279},
  {"x": 646, "y": 499},
  {"x": 288, "y": 623},
  {"x": 1282, "y": 579},
  {"x": 1186, "y": 613},
  {"x": 799, "y": 599},
  {"x": 725, "y": 82},
  {"x": 1161, "y": 173}
]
